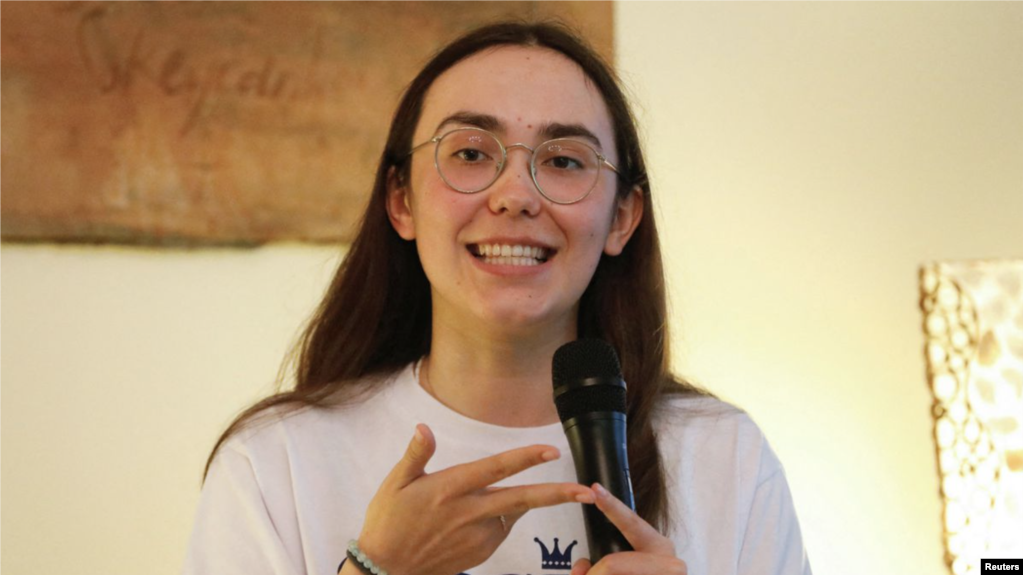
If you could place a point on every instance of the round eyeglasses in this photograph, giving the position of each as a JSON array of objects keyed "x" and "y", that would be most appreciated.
[{"x": 564, "y": 170}]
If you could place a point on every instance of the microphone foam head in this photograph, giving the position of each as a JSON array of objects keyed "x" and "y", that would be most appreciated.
[
  {"x": 585, "y": 358},
  {"x": 587, "y": 379}
]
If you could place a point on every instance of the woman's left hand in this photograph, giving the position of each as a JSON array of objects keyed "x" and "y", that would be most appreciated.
[{"x": 654, "y": 553}]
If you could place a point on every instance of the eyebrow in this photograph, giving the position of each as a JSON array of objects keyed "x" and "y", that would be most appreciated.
[
  {"x": 482, "y": 121},
  {"x": 553, "y": 130},
  {"x": 548, "y": 130}
]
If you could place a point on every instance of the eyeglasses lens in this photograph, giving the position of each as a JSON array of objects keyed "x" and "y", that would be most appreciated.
[
  {"x": 470, "y": 160},
  {"x": 566, "y": 170}
]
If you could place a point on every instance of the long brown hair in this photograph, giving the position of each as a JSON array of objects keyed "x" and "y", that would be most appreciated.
[{"x": 376, "y": 316}]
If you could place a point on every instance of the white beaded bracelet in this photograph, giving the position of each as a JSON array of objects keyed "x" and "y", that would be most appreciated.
[{"x": 365, "y": 564}]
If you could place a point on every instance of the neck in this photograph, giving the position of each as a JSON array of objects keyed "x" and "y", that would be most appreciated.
[{"x": 503, "y": 380}]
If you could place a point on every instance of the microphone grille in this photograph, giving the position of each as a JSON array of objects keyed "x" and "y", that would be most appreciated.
[
  {"x": 582, "y": 360},
  {"x": 585, "y": 358}
]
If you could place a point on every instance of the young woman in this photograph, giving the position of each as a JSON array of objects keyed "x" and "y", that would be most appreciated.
[{"x": 511, "y": 214}]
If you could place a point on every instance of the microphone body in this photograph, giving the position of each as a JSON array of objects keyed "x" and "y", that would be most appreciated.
[{"x": 589, "y": 393}]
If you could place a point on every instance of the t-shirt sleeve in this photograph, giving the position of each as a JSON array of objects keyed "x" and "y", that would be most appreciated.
[
  {"x": 234, "y": 533},
  {"x": 772, "y": 543}
]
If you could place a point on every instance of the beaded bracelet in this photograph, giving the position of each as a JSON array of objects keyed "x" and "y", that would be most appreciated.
[{"x": 365, "y": 564}]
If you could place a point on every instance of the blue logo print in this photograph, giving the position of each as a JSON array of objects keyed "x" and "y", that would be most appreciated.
[{"x": 555, "y": 559}]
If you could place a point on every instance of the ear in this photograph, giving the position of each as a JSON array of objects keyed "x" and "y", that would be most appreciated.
[
  {"x": 399, "y": 209},
  {"x": 628, "y": 214}
]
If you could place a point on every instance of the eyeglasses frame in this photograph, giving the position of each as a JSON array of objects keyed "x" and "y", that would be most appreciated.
[{"x": 504, "y": 161}]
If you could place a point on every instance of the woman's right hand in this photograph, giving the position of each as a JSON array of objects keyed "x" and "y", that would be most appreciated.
[{"x": 450, "y": 521}]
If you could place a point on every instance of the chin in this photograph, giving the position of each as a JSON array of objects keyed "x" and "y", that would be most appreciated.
[{"x": 517, "y": 321}]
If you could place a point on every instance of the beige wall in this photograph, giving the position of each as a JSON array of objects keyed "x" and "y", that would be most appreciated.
[
  {"x": 806, "y": 159},
  {"x": 120, "y": 369}
]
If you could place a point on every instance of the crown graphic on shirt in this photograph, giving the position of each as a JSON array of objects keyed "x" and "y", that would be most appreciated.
[{"x": 555, "y": 559}]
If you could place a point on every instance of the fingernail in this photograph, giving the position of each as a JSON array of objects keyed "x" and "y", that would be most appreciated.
[
  {"x": 551, "y": 455},
  {"x": 420, "y": 438},
  {"x": 599, "y": 490}
]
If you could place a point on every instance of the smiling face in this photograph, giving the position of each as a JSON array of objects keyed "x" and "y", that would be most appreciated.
[{"x": 508, "y": 256}]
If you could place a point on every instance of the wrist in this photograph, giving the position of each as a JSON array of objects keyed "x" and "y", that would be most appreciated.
[
  {"x": 362, "y": 561},
  {"x": 348, "y": 567}
]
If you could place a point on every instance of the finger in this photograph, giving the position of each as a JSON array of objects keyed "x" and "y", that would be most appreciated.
[
  {"x": 480, "y": 474},
  {"x": 520, "y": 499},
  {"x": 638, "y": 532},
  {"x": 413, "y": 462},
  {"x": 581, "y": 567}
]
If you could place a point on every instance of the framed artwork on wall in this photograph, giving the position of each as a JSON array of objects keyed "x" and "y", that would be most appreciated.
[
  {"x": 215, "y": 123},
  {"x": 973, "y": 327}
]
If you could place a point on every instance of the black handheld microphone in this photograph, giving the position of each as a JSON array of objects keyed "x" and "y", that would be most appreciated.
[{"x": 589, "y": 393}]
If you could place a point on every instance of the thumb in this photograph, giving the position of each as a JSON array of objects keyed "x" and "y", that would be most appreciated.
[
  {"x": 581, "y": 567},
  {"x": 417, "y": 455}
]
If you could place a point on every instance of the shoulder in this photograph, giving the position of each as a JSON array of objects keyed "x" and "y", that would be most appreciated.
[
  {"x": 716, "y": 436},
  {"x": 707, "y": 418},
  {"x": 278, "y": 431}
]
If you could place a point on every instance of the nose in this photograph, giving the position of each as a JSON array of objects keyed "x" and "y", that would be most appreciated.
[{"x": 514, "y": 192}]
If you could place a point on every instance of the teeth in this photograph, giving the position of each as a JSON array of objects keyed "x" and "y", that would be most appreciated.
[
  {"x": 511, "y": 261},
  {"x": 519, "y": 255}
]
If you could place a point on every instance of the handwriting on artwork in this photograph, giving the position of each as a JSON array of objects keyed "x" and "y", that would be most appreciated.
[{"x": 120, "y": 64}]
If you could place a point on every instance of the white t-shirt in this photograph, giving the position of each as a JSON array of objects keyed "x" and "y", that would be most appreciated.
[{"x": 285, "y": 496}]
